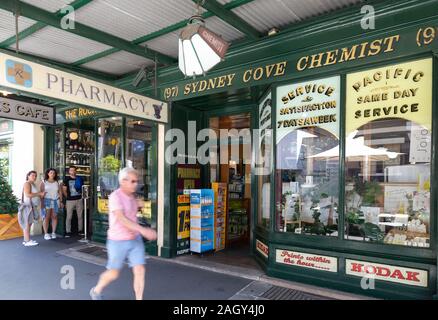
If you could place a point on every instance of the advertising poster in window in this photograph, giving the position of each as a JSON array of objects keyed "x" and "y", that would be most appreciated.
[
  {"x": 307, "y": 138},
  {"x": 388, "y": 154},
  {"x": 188, "y": 177}
]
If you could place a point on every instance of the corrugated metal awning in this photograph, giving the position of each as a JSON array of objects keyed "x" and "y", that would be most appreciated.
[{"x": 120, "y": 36}]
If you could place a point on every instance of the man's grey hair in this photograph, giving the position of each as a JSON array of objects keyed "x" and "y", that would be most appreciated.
[{"x": 125, "y": 172}]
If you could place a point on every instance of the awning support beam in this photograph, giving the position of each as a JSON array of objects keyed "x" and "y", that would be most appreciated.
[{"x": 53, "y": 20}]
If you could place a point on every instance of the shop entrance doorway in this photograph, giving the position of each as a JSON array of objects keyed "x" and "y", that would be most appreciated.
[{"x": 232, "y": 173}]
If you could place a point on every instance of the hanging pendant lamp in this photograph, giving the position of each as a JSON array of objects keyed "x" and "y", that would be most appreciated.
[{"x": 199, "y": 49}]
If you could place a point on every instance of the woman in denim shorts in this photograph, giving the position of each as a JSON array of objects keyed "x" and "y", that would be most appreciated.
[{"x": 51, "y": 203}]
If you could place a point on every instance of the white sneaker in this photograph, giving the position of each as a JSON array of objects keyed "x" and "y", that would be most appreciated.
[
  {"x": 47, "y": 236},
  {"x": 53, "y": 236},
  {"x": 30, "y": 243}
]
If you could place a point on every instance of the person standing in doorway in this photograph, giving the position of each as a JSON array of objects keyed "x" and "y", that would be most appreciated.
[
  {"x": 72, "y": 190},
  {"x": 51, "y": 203},
  {"x": 32, "y": 198},
  {"x": 125, "y": 236}
]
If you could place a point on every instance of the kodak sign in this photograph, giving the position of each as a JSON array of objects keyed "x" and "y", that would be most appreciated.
[{"x": 413, "y": 277}]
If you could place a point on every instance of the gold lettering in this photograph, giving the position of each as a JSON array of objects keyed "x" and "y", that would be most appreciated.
[
  {"x": 230, "y": 78},
  {"x": 187, "y": 89},
  {"x": 247, "y": 73},
  {"x": 281, "y": 69},
  {"x": 221, "y": 82},
  {"x": 300, "y": 67},
  {"x": 331, "y": 57},
  {"x": 212, "y": 83},
  {"x": 418, "y": 76},
  {"x": 377, "y": 76},
  {"x": 202, "y": 85},
  {"x": 329, "y": 92},
  {"x": 398, "y": 72},
  {"x": 348, "y": 55},
  {"x": 390, "y": 41},
  {"x": 269, "y": 70},
  {"x": 318, "y": 61},
  {"x": 258, "y": 74},
  {"x": 194, "y": 86},
  {"x": 362, "y": 51},
  {"x": 375, "y": 47}
]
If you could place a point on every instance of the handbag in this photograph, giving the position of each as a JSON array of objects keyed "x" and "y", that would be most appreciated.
[{"x": 23, "y": 212}]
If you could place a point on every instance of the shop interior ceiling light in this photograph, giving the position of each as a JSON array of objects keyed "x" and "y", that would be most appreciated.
[{"x": 199, "y": 49}]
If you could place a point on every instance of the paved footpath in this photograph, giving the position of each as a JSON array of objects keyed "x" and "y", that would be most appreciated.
[{"x": 35, "y": 273}]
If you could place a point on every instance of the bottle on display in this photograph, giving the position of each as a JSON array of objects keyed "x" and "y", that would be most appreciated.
[
  {"x": 67, "y": 141},
  {"x": 80, "y": 143}
]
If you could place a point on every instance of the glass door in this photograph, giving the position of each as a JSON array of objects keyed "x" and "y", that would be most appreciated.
[{"x": 139, "y": 157}]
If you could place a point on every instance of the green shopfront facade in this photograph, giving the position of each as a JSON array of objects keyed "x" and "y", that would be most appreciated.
[
  {"x": 352, "y": 171},
  {"x": 352, "y": 190},
  {"x": 99, "y": 129}
]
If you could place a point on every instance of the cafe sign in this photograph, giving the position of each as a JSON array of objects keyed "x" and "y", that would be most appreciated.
[
  {"x": 409, "y": 276},
  {"x": 38, "y": 79},
  {"x": 306, "y": 260},
  {"x": 24, "y": 111}
]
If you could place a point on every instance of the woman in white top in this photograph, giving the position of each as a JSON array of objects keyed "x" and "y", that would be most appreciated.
[
  {"x": 51, "y": 203},
  {"x": 32, "y": 197}
]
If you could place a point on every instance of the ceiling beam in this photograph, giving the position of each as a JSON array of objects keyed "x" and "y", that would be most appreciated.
[
  {"x": 98, "y": 75},
  {"x": 77, "y": 4},
  {"x": 230, "y": 17},
  {"x": 52, "y": 19},
  {"x": 174, "y": 27}
]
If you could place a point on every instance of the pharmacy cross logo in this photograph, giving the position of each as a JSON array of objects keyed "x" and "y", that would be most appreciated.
[{"x": 19, "y": 73}]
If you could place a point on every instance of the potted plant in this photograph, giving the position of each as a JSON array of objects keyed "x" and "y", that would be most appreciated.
[
  {"x": 9, "y": 227},
  {"x": 370, "y": 195}
]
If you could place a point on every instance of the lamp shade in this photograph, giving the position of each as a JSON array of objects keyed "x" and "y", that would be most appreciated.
[{"x": 199, "y": 50}]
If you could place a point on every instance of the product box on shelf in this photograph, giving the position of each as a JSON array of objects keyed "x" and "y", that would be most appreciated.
[{"x": 201, "y": 220}]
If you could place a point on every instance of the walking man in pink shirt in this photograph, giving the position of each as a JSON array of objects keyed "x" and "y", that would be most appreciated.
[{"x": 124, "y": 236}]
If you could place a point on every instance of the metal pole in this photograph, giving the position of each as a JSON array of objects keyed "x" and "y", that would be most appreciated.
[
  {"x": 17, "y": 40},
  {"x": 85, "y": 197}
]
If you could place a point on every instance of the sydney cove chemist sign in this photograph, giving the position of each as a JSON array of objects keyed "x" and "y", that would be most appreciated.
[{"x": 31, "y": 77}]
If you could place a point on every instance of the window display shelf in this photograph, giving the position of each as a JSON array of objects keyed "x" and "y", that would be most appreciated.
[
  {"x": 77, "y": 165},
  {"x": 78, "y": 152},
  {"x": 392, "y": 224}
]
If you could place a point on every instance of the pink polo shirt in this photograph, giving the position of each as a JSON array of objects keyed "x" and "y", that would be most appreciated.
[{"x": 118, "y": 200}]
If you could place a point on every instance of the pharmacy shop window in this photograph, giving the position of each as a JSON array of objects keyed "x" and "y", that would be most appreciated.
[
  {"x": 388, "y": 155},
  {"x": 109, "y": 150},
  {"x": 307, "y": 157},
  {"x": 387, "y": 192},
  {"x": 264, "y": 163}
]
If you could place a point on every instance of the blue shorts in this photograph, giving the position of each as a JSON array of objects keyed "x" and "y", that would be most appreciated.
[
  {"x": 50, "y": 204},
  {"x": 119, "y": 250}
]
